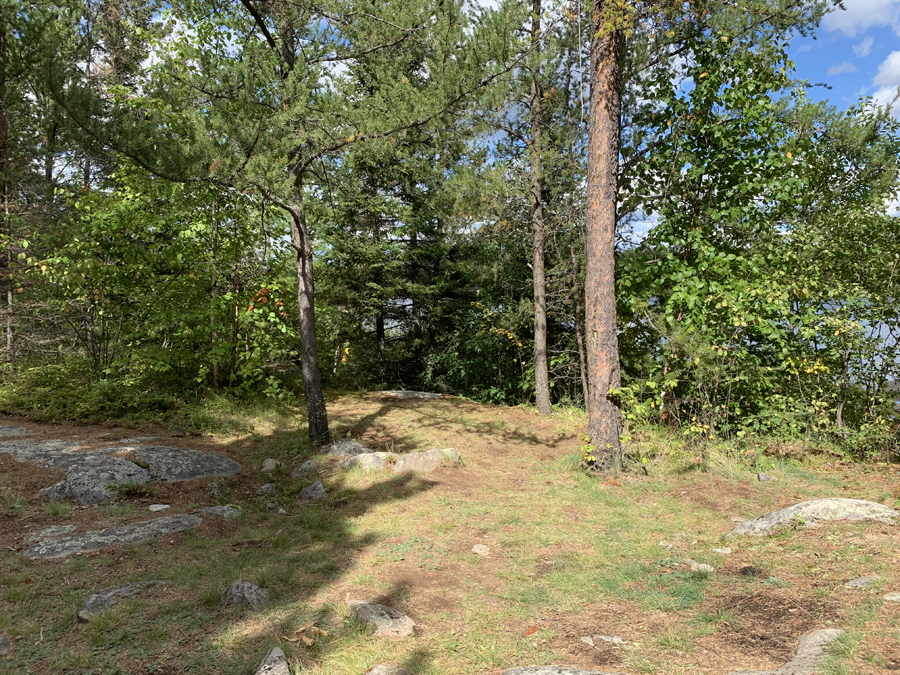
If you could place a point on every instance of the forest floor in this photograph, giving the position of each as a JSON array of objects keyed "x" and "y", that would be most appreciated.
[{"x": 571, "y": 556}]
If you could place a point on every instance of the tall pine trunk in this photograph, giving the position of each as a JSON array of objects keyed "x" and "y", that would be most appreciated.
[
  {"x": 604, "y": 416},
  {"x": 6, "y": 283},
  {"x": 309, "y": 353},
  {"x": 541, "y": 371}
]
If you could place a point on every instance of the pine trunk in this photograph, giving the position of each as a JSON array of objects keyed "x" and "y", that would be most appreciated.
[
  {"x": 309, "y": 354},
  {"x": 541, "y": 371},
  {"x": 604, "y": 416}
]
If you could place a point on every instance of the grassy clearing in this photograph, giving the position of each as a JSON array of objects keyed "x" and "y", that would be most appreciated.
[{"x": 571, "y": 557}]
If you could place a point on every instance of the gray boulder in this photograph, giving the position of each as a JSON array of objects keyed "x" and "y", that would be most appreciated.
[
  {"x": 180, "y": 464},
  {"x": 313, "y": 493},
  {"x": 345, "y": 447},
  {"x": 224, "y": 511},
  {"x": 54, "y": 454},
  {"x": 384, "y": 621},
  {"x": 308, "y": 468},
  {"x": 274, "y": 663},
  {"x": 810, "y": 653},
  {"x": 269, "y": 465},
  {"x": 375, "y": 461},
  {"x": 5, "y": 645},
  {"x": 95, "y": 479},
  {"x": 99, "y": 602},
  {"x": 553, "y": 670},
  {"x": 808, "y": 514},
  {"x": 123, "y": 534},
  {"x": 427, "y": 461},
  {"x": 242, "y": 592},
  {"x": 861, "y": 582},
  {"x": 6, "y": 431}
]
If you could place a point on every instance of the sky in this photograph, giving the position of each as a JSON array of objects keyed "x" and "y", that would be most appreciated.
[{"x": 856, "y": 52}]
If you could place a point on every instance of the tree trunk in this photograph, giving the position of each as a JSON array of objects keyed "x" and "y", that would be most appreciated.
[
  {"x": 541, "y": 371},
  {"x": 6, "y": 283},
  {"x": 604, "y": 416},
  {"x": 309, "y": 354},
  {"x": 577, "y": 291}
]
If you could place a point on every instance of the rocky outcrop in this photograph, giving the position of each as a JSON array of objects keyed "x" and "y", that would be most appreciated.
[
  {"x": 345, "y": 447},
  {"x": 103, "y": 600},
  {"x": 426, "y": 461},
  {"x": 808, "y": 514}
]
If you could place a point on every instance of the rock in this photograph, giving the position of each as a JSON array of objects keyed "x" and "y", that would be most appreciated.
[
  {"x": 427, "y": 461},
  {"x": 95, "y": 479},
  {"x": 281, "y": 512},
  {"x": 266, "y": 489},
  {"x": 763, "y": 477},
  {"x": 275, "y": 663},
  {"x": 158, "y": 507},
  {"x": 5, "y": 645},
  {"x": 224, "y": 511},
  {"x": 724, "y": 550},
  {"x": 738, "y": 519},
  {"x": 123, "y": 534},
  {"x": 553, "y": 670},
  {"x": 807, "y": 514},
  {"x": 303, "y": 470},
  {"x": 141, "y": 439},
  {"x": 612, "y": 639},
  {"x": 405, "y": 395},
  {"x": 242, "y": 592},
  {"x": 345, "y": 447},
  {"x": 891, "y": 597},
  {"x": 56, "y": 492},
  {"x": 374, "y": 461},
  {"x": 50, "y": 532},
  {"x": 589, "y": 641},
  {"x": 387, "y": 669},
  {"x": 313, "y": 493},
  {"x": 6, "y": 431},
  {"x": 385, "y": 621},
  {"x": 271, "y": 505},
  {"x": 481, "y": 549},
  {"x": 269, "y": 465},
  {"x": 810, "y": 653},
  {"x": 54, "y": 454},
  {"x": 180, "y": 464},
  {"x": 700, "y": 567},
  {"x": 861, "y": 582},
  {"x": 99, "y": 602}
]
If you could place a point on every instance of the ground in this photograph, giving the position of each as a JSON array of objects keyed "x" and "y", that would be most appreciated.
[{"x": 571, "y": 556}]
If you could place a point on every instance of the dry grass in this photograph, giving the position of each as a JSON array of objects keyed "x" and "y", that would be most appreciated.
[{"x": 571, "y": 557}]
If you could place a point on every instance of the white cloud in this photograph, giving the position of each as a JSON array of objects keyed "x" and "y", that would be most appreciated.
[
  {"x": 887, "y": 79},
  {"x": 864, "y": 48},
  {"x": 863, "y": 14},
  {"x": 842, "y": 68},
  {"x": 808, "y": 47}
]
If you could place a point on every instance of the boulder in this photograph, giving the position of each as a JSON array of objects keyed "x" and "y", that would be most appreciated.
[
  {"x": 180, "y": 464},
  {"x": 99, "y": 602},
  {"x": 427, "y": 461},
  {"x": 6, "y": 431},
  {"x": 50, "y": 533},
  {"x": 375, "y": 461},
  {"x": 95, "y": 479},
  {"x": 269, "y": 465},
  {"x": 242, "y": 592},
  {"x": 345, "y": 447},
  {"x": 308, "y": 468},
  {"x": 384, "y": 621},
  {"x": 811, "y": 651},
  {"x": 313, "y": 493},
  {"x": 123, "y": 534},
  {"x": 808, "y": 514},
  {"x": 274, "y": 663},
  {"x": 266, "y": 489}
]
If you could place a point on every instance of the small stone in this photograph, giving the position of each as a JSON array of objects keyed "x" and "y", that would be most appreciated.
[
  {"x": 763, "y": 477},
  {"x": 269, "y": 465},
  {"x": 242, "y": 592},
  {"x": 271, "y": 505},
  {"x": 157, "y": 507},
  {"x": 274, "y": 663},
  {"x": 345, "y": 447},
  {"x": 281, "y": 512},
  {"x": 891, "y": 597},
  {"x": 387, "y": 669},
  {"x": 303, "y": 470},
  {"x": 313, "y": 493},
  {"x": 612, "y": 639},
  {"x": 224, "y": 511},
  {"x": 385, "y": 621},
  {"x": 266, "y": 489},
  {"x": 700, "y": 567},
  {"x": 666, "y": 544},
  {"x": 738, "y": 519},
  {"x": 861, "y": 582},
  {"x": 481, "y": 549},
  {"x": 5, "y": 645},
  {"x": 99, "y": 602},
  {"x": 588, "y": 641},
  {"x": 724, "y": 550}
]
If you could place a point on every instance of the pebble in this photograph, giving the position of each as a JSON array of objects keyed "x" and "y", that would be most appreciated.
[
  {"x": 723, "y": 551},
  {"x": 266, "y": 489},
  {"x": 892, "y": 597},
  {"x": 763, "y": 477},
  {"x": 157, "y": 507},
  {"x": 481, "y": 549}
]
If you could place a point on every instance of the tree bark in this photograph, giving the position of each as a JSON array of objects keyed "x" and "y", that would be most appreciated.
[
  {"x": 604, "y": 416},
  {"x": 541, "y": 370},
  {"x": 309, "y": 353},
  {"x": 6, "y": 283}
]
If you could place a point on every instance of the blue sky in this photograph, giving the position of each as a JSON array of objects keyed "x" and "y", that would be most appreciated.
[{"x": 855, "y": 51}]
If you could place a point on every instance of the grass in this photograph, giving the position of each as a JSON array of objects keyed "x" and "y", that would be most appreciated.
[{"x": 570, "y": 556}]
